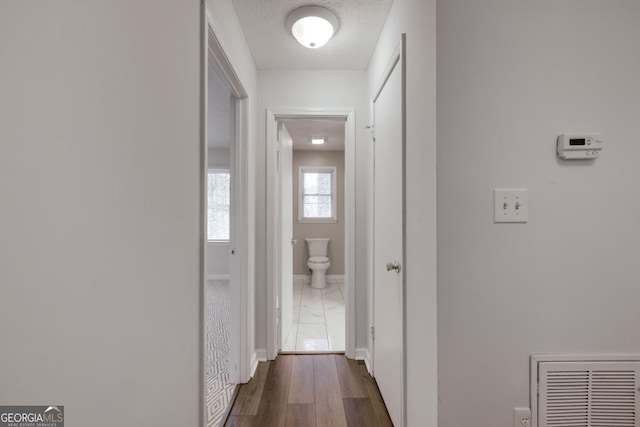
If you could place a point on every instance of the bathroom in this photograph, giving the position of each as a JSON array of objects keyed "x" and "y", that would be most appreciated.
[{"x": 318, "y": 244}]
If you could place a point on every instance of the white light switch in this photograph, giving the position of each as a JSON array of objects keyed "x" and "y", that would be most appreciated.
[{"x": 510, "y": 205}]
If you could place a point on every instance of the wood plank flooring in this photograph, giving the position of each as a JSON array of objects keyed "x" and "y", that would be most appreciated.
[{"x": 323, "y": 390}]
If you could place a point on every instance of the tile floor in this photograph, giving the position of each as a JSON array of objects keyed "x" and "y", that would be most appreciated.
[{"x": 318, "y": 319}]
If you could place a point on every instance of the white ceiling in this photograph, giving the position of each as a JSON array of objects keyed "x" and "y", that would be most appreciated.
[
  {"x": 273, "y": 47},
  {"x": 303, "y": 129}
]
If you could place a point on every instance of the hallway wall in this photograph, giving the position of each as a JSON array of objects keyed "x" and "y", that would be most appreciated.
[
  {"x": 307, "y": 89},
  {"x": 99, "y": 176},
  {"x": 87, "y": 275},
  {"x": 416, "y": 18},
  {"x": 512, "y": 76}
]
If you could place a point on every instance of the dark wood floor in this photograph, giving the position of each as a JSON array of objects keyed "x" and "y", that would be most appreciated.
[{"x": 307, "y": 391}]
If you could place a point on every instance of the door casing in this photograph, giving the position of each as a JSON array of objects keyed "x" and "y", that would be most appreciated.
[
  {"x": 273, "y": 116},
  {"x": 242, "y": 260},
  {"x": 284, "y": 232}
]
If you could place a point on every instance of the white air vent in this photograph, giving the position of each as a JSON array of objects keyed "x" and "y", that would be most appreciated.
[{"x": 588, "y": 393}]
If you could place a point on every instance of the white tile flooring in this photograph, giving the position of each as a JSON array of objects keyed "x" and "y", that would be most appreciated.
[{"x": 318, "y": 319}]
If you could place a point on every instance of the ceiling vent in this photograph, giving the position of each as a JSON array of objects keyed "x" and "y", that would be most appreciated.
[{"x": 586, "y": 393}]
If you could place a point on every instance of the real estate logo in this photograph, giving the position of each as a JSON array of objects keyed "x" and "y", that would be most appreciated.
[{"x": 32, "y": 416}]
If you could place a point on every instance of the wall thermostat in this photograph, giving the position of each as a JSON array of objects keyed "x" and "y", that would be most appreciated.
[{"x": 579, "y": 146}]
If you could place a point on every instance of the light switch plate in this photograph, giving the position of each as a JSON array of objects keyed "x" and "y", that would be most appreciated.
[{"x": 510, "y": 205}]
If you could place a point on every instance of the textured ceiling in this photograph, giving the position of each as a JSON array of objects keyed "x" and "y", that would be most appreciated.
[
  {"x": 273, "y": 47},
  {"x": 303, "y": 129}
]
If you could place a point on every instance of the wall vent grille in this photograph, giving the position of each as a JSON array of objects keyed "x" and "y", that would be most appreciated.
[{"x": 589, "y": 394}]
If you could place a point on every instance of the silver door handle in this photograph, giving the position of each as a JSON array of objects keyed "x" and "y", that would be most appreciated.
[
  {"x": 393, "y": 266},
  {"x": 294, "y": 241}
]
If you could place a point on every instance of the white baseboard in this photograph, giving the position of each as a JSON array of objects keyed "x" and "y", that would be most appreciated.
[
  {"x": 363, "y": 354},
  {"x": 253, "y": 364},
  {"x": 218, "y": 277},
  {"x": 256, "y": 357},
  {"x": 338, "y": 279},
  {"x": 301, "y": 279},
  {"x": 261, "y": 355},
  {"x": 306, "y": 279}
]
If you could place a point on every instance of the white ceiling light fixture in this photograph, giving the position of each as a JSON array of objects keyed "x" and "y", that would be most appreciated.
[
  {"x": 318, "y": 140},
  {"x": 312, "y": 26}
]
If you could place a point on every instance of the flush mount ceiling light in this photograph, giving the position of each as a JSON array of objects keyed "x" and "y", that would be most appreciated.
[
  {"x": 312, "y": 26},
  {"x": 318, "y": 140}
]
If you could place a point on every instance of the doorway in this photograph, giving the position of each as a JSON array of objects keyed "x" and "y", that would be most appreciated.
[
  {"x": 221, "y": 177},
  {"x": 312, "y": 206},
  {"x": 226, "y": 232},
  {"x": 279, "y": 269}
]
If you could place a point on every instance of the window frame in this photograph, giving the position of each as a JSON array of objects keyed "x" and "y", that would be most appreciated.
[
  {"x": 333, "y": 170},
  {"x": 228, "y": 172}
]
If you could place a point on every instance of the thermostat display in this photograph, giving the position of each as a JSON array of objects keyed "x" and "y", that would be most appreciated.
[{"x": 579, "y": 147}]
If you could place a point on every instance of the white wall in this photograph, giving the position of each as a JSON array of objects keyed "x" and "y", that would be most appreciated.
[
  {"x": 512, "y": 76},
  {"x": 416, "y": 18},
  {"x": 335, "y": 230},
  {"x": 332, "y": 89},
  {"x": 219, "y": 157},
  {"x": 218, "y": 260},
  {"x": 96, "y": 309}
]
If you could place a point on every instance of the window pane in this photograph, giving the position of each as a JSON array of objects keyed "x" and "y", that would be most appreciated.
[
  {"x": 218, "y": 199},
  {"x": 324, "y": 183},
  {"x": 317, "y": 207},
  {"x": 316, "y": 193},
  {"x": 317, "y": 183},
  {"x": 310, "y": 183}
]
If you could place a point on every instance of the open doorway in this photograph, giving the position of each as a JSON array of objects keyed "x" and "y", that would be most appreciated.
[
  {"x": 220, "y": 384},
  {"x": 317, "y": 217},
  {"x": 226, "y": 223},
  {"x": 292, "y": 327}
]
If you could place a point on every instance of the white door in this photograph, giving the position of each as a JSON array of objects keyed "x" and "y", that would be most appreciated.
[
  {"x": 285, "y": 225},
  {"x": 388, "y": 240}
]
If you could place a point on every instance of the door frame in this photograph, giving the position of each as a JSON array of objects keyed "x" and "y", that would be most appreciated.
[
  {"x": 242, "y": 262},
  {"x": 398, "y": 58},
  {"x": 281, "y": 241},
  {"x": 273, "y": 115}
]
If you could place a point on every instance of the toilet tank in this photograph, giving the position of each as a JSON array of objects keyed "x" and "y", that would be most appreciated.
[{"x": 317, "y": 246}]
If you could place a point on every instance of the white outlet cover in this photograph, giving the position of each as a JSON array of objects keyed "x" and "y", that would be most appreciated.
[
  {"x": 510, "y": 205},
  {"x": 521, "y": 417}
]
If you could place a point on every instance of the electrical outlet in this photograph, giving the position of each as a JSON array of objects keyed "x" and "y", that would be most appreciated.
[{"x": 521, "y": 417}]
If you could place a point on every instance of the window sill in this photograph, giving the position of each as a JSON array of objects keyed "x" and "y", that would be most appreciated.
[{"x": 317, "y": 221}]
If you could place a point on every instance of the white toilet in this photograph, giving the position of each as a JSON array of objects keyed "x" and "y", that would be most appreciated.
[{"x": 318, "y": 261}]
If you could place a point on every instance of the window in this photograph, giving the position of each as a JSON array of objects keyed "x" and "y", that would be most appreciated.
[
  {"x": 317, "y": 194},
  {"x": 218, "y": 200}
]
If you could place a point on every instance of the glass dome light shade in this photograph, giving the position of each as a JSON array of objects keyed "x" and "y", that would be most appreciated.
[{"x": 312, "y": 26}]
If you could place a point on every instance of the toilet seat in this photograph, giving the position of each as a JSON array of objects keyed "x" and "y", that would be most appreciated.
[{"x": 318, "y": 260}]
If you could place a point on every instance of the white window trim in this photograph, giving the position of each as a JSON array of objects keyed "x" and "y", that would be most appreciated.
[
  {"x": 334, "y": 196},
  {"x": 217, "y": 170}
]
